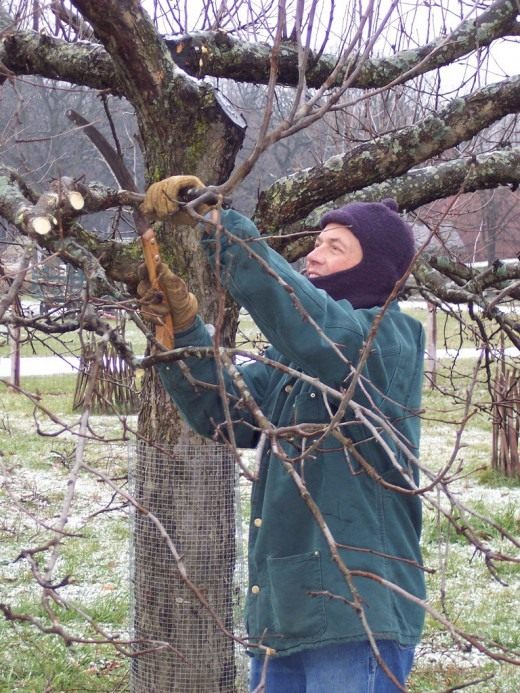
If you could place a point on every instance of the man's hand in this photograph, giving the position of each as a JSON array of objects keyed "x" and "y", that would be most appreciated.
[
  {"x": 170, "y": 296},
  {"x": 162, "y": 199}
]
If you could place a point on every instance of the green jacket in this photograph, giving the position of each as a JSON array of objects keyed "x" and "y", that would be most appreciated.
[{"x": 298, "y": 598}]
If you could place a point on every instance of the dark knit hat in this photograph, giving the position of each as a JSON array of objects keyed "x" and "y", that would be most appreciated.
[{"x": 388, "y": 248}]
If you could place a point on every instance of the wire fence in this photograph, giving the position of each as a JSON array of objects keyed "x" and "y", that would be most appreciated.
[{"x": 189, "y": 495}]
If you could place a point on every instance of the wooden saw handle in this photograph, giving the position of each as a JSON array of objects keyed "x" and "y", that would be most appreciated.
[{"x": 163, "y": 333}]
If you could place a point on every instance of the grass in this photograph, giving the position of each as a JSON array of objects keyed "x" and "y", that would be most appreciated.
[
  {"x": 478, "y": 605},
  {"x": 33, "y": 480},
  {"x": 493, "y": 479},
  {"x": 93, "y": 560},
  {"x": 487, "y": 524},
  {"x": 478, "y": 598},
  {"x": 29, "y": 668}
]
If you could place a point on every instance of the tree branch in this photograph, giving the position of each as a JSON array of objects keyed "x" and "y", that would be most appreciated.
[
  {"x": 219, "y": 54},
  {"x": 65, "y": 237},
  {"x": 412, "y": 190},
  {"x": 387, "y": 156}
]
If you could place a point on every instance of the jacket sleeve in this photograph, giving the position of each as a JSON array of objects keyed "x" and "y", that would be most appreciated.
[{"x": 196, "y": 391}]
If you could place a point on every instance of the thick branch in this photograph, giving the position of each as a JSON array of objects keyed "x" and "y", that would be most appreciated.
[
  {"x": 66, "y": 237},
  {"x": 436, "y": 288},
  {"x": 167, "y": 101},
  {"x": 412, "y": 190},
  {"x": 31, "y": 53},
  {"x": 218, "y": 54},
  {"x": 141, "y": 59},
  {"x": 112, "y": 158},
  {"x": 388, "y": 156},
  {"x": 477, "y": 281}
]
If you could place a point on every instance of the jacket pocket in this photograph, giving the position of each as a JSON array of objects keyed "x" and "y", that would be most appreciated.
[
  {"x": 292, "y": 580},
  {"x": 309, "y": 407}
]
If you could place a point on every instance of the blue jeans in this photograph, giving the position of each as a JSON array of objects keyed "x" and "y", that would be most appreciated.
[{"x": 347, "y": 668}]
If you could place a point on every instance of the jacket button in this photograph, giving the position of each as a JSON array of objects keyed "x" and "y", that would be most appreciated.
[
  {"x": 313, "y": 395},
  {"x": 255, "y": 589},
  {"x": 257, "y": 522},
  {"x": 288, "y": 388}
]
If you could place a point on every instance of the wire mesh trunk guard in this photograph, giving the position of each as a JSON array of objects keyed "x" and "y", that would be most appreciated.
[{"x": 190, "y": 497}]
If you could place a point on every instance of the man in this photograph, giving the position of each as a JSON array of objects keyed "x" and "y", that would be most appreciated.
[{"x": 340, "y": 387}]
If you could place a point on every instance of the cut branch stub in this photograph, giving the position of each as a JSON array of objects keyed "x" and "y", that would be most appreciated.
[
  {"x": 42, "y": 225},
  {"x": 68, "y": 196},
  {"x": 76, "y": 200},
  {"x": 61, "y": 198}
]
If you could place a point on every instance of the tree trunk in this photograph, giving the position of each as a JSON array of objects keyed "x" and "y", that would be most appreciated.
[
  {"x": 14, "y": 355},
  {"x": 188, "y": 484}
]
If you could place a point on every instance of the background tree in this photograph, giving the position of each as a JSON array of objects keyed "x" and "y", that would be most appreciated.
[{"x": 398, "y": 101}]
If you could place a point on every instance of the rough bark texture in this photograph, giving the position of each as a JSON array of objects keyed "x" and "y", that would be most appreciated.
[
  {"x": 218, "y": 54},
  {"x": 28, "y": 52},
  {"x": 387, "y": 156},
  {"x": 412, "y": 190}
]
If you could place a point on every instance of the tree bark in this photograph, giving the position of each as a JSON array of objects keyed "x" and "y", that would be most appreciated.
[
  {"x": 220, "y": 54},
  {"x": 387, "y": 156},
  {"x": 412, "y": 190}
]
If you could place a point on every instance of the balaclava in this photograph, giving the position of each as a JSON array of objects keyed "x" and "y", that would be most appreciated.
[{"x": 388, "y": 248}]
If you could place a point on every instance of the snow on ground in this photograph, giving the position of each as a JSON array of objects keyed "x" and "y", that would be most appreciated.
[{"x": 54, "y": 365}]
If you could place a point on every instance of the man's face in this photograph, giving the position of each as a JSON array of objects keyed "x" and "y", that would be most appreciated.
[{"x": 336, "y": 249}]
